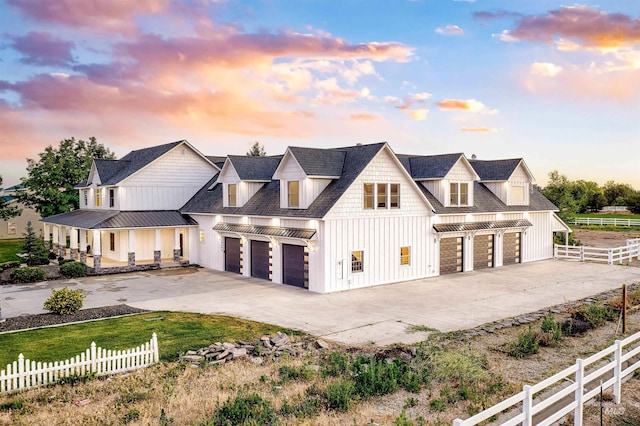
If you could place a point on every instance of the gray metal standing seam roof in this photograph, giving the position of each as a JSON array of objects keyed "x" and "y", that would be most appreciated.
[
  {"x": 259, "y": 169},
  {"x": 495, "y": 170},
  {"x": 319, "y": 162},
  {"x": 271, "y": 231},
  {"x": 479, "y": 226},
  {"x": 113, "y": 219}
]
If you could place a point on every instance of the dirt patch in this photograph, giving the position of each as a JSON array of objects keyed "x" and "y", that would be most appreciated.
[{"x": 607, "y": 239}]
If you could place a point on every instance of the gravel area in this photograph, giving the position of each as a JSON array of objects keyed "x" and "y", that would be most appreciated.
[{"x": 43, "y": 320}]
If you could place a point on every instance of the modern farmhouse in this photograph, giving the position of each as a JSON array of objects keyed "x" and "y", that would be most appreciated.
[{"x": 323, "y": 219}]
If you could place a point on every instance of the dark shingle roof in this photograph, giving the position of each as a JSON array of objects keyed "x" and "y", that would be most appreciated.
[
  {"x": 429, "y": 167},
  {"x": 266, "y": 202},
  {"x": 486, "y": 201},
  {"x": 113, "y": 219},
  {"x": 217, "y": 160},
  {"x": 495, "y": 170},
  {"x": 255, "y": 168},
  {"x": 108, "y": 168},
  {"x": 272, "y": 231},
  {"x": 319, "y": 162}
]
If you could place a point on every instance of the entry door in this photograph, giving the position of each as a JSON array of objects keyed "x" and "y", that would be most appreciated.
[
  {"x": 260, "y": 260},
  {"x": 512, "y": 248},
  {"x": 232, "y": 254},
  {"x": 451, "y": 259},
  {"x": 181, "y": 245},
  {"x": 293, "y": 268},
  {"x": 483, "y": 252}
]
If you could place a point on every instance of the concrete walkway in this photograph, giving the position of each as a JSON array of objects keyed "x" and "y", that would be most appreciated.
[{"x": 379, "y": 315}]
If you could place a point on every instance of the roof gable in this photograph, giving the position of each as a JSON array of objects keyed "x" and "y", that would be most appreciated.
[
  {"x": 315, "y": 162},
  {"x": 253, "y": 168},
  {"x": 498, "y": 170},
  {"x": 429, "y": 167}
]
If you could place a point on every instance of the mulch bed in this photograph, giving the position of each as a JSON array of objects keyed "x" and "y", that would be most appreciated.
[{"x": 43, "y": 320}]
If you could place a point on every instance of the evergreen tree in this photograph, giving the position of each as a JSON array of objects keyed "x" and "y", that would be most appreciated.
[
  {"x": 34, "y": 248},
  {"x": 256, "y": 150}
]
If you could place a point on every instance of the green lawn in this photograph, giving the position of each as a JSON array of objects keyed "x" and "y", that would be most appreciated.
[
  {"x": 9, "y": 249},
  {"x": 177, "y": 332},
  {"x": 608, "y": 215}
]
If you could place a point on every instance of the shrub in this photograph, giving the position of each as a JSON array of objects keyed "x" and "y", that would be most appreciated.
[
  {"x": 339, "y": 395},
  {"x": 574, "y": 326},
  {"x": 244, "y": 410},
  {"x": 436, "y": 404},
  {"x": 375, "y": 377},
  {"x": 52, "y": 255},
  {"x": 13, "y": 405},
  {"x": 29, "y": 274},
  {"x": 527, "y": 344},
  {"x": 9, "y": 265},
  {"x": 336, "y": 365},
  {"x": 74, "y": 269},
  {"x": 131, "y": 416},
  {"x": 595, "y": 314},
  {"x": 467, "y": 365},
  {"x": 551, "y": 331},
  {"x": 64, "y": 301},
  {"x": 62, "y": 261}
]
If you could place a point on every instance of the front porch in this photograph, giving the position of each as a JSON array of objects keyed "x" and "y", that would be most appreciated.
[{"x": 129, "y": 247}]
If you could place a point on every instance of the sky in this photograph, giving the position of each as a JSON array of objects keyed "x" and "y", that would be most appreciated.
[{"x": 554, "y": 83}]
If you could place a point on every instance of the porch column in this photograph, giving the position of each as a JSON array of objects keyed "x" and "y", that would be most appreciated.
[
  {"x": 55, "y": 231},
  {"x": 73, "y": 243},
  {"x": 97, "y": 251},
  {"x": 498, "y": 249},
  {"x": 176, "y": 245},
  {"x": 83, "y": 246},
  {"x": 62, "y": 242},
  {"x": 132, "y": 247},
  {"x": 45, "y": 235},
  {"x": 467, "y": 253},
  {"x": 157, "y": 244}
]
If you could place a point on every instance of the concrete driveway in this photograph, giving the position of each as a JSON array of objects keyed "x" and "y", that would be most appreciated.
[{"x": 379, "y": 315}]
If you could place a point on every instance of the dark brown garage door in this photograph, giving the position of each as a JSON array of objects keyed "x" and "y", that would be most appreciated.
[
  {"x": 511, "y": 248},
  {"x": 232, "y": 262},
  {"x": 295, "y": 267},
  {"x": 260, "y": 260},
  {"x": 483, "y": 251},
  {"x": 451, "y": 255}
]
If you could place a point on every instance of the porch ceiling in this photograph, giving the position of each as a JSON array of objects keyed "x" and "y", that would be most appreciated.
[
  {"x": 481, "y": 226},
  {"x": 271, "y": 231},
  {"x": 113, "y": 219}
]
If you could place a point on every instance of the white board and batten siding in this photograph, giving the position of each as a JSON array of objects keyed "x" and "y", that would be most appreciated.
[
  {"x": 167, "y": 183},
  {"x": 537, "y": 240},
  {"x": 460, "y": 172},
  {"x": 379, "y": 233},
  {"x": 309, "y": 187}
]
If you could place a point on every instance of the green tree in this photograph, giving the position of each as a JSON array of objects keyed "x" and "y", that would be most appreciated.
[
  {"x": 559, "y": 191},
  {"x": 256, "y": 150},
  {"x": 33, "y": 246},
  {"x": 588, "y": 196},
  {"x": 6, "y": 211},
  {"x": 617, "y": 193},
  {"x": 633, "y": 202},
  {"x": 50, "y": 185}
]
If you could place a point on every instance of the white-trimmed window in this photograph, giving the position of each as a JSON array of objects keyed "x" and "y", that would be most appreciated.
[
  {"x": 293, "y": 193},
  {"x": 201, "y": 236},
  {"x": 368, "y": 196},
  {"x": 85, "y": 197},
  {"x": 112, "y": 197},
  {"x": 394, "y": 195},
  {"x": 98, "y": 197},
  {"x": 517, "y": 194},
  {"x": 459, "y": 194},
  {"x": 11, "y": 228},
  {"x": 381, "y": 195},
  {"x": 232, "y": 189},
  {"x": 112, "y": 241},
  {"x": 405, "y": 255},
  {"x": 357, "y": 264}
]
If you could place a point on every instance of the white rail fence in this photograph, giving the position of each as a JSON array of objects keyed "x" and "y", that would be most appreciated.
[
  {"x": 597, "y": 254},
  {"x": 25, "y": 374},
  {"x": 568, "y": 391},
  {"x": 605, "y": 221}
]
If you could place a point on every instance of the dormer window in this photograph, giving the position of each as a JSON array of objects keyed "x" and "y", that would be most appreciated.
[
  {"x": 112, "y": 197},
  {"x": 382, "y": 195},
  {"x": 231, "y": 194},
  {"x": 293, "y": 193},
  {"x": 517, "y": 194},
  {"x": 85, "y": 196},
  {"x": 98, "y": 197},
  {"x": 459, "y": 194}
]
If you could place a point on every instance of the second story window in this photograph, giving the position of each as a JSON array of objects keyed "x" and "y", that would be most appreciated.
[
  {"x": 98, "y": 197},
  {"x": 231, "y": 195},
  {"x": 381, "y": 195},
  {"x": 85, "y": 197},
  {"x": 112, "y": 198},
  {"x": 517, "y": 194},
  {"x": 459, "y": 194},
  {"x": 293, "y": 193},
  {"x": 394, "y": 195},
  {"x": 368, "y": 195}
]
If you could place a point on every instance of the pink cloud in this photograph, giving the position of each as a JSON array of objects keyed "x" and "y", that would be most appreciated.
[
  {"x": 105, "y": 15},
  {"x": 363, "y": 117},
  {"x": 480, "y": 129},
  {"x": 43, "y": 49},
  {"x": 470, "y": 105},
  {"x": 450, "y": 30}
]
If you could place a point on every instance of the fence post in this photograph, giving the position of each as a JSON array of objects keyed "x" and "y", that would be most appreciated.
[
  {"x": 555, "y": 251},
  {"x": 20, "y": 371},
  {"x": 581, "y": 253},
  {"x": 527, "y": 404},
  {"x": 458, "y": 422},
  {"x": 94, "y": 363},
  {"x": 577, "y": 413},
  {"x": 610, "y": 256},
  {"x": 156, "y": 355},
  {"x": 617, "y": 372}
]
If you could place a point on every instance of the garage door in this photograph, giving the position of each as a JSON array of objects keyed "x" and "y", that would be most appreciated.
[
  {"x": 511, "y": 248},
  {"x": 232, "y": 257},
  {"x": 483, "y": 251},
  {"x": 260, "y": 260},
  {"x": 451, "y": 255},
  {"x": 295, "y": 266}
]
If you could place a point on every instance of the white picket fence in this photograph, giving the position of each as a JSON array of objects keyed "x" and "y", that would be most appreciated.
[
  {"x": 25, "y": 374},
  {"x": 568, "y": 391},
  {"x": 597, "y": 254},
  {"x": 605, "y": 221}
]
